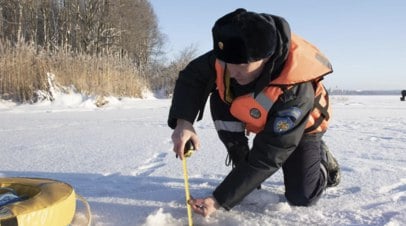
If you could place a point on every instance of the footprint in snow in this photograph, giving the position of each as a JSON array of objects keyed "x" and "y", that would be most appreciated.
[
  {"x": 150, "y": 165},
  {"x": 397, "y": 191},
  {"x": 336, "y": 192}
]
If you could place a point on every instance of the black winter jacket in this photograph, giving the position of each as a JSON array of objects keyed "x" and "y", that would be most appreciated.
[{"x": 270, "y": 149}]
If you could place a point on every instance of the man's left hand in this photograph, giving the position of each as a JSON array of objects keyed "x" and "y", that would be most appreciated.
[{"x": 205, "y": 206}]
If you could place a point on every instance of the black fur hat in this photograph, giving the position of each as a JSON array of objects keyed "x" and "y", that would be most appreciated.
[{"x": 242, "y": 36}]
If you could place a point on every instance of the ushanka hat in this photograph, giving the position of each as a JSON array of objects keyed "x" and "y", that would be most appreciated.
[{"x": 242, "y": 37}]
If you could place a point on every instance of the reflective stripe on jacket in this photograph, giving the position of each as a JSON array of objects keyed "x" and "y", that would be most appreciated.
[{"x": 305, "y": 63}]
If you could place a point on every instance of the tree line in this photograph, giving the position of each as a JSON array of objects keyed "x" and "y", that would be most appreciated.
[
  {"x": 85, "y": 26},
  {"x": 121, "y": 30}
]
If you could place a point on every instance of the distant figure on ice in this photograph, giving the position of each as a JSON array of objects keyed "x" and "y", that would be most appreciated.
[
  {"x": 265, "y": 80},
  {"x": 403, "y": 95}
]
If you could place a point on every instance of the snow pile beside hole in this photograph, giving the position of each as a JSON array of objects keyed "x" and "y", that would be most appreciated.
[{"x": 161, "y": 218}]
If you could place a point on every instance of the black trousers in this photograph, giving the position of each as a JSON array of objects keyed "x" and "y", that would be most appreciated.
[{"x": 303, "y": 177}]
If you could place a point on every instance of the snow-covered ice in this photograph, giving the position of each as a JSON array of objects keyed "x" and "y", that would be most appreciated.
[{"x": 119, "y": 157}]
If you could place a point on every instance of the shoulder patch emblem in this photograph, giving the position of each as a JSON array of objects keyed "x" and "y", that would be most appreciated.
[
  {"x": 282, "y": 124},
  {"x": 293, "y": 113}
]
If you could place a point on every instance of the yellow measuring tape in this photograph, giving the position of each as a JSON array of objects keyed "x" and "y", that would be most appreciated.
[
  {"x": 189, "y": 208},
  {"x": 188, "y": 152}
]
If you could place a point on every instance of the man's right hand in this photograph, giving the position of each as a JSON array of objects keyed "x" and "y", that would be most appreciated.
[{"x": 183, "y": 132}]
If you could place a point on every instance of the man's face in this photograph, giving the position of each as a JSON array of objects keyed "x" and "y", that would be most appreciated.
[{"x": 246, "y": 73}]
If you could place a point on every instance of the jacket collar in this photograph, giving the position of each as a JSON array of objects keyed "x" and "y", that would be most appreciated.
[{"x": 276, "y": 62}]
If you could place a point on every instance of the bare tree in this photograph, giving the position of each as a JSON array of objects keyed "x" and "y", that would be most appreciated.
[
  {"x": 140, "y": 38},
  {"x": 163, "y": 78}
]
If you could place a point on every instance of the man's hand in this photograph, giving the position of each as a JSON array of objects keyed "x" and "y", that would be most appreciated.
[
  {"x": 183, "y": 132},
  {"x": 204, "y": 207}
]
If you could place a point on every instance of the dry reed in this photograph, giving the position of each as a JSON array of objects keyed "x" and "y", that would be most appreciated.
[{"x": 23, "y": 72}]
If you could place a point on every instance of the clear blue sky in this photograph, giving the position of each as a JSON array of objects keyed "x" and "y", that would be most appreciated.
[{"x": 365, "y": 40}]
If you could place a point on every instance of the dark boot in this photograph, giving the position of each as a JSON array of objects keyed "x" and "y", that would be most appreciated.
[{"x": 331, "y": 166}]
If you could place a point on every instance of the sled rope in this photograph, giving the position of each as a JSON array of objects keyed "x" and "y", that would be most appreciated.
[{"x": 88, "y": 212}]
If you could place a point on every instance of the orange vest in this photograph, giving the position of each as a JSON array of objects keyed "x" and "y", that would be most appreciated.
[{"x": 304, "y": 63}]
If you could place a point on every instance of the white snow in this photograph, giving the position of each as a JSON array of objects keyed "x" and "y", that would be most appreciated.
[{"x": 119, "y": 157}]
